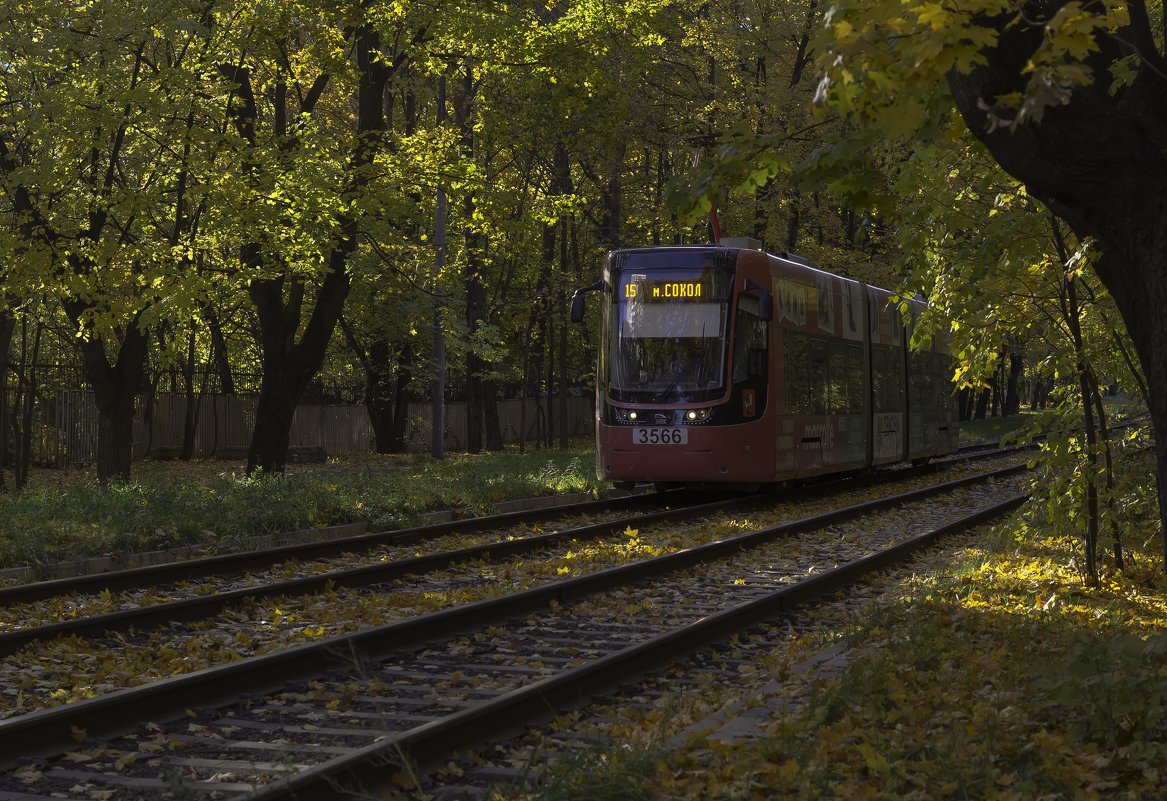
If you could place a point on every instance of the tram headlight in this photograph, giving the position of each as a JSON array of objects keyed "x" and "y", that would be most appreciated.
[
  {"x": 626, "y": 415},
  {"x": 696, "y": 415}
]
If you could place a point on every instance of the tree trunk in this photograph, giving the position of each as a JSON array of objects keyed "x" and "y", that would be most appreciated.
[
  {"x": 379, "y": 394},
  {"x": 279, "y": 394},
  {"x": 490, "y": 418},
  {"x": 475, "y": 289},
  {"x": 20, "y": 422},
  {"x": 1108, "y": 462},
  {"x": 7, "y": 329},
  {"x": 438, "y": 387},
  {"x": 401, "y": 395},
  {"x": 1041, "y": 388},
  {"x": 548, "y": 435},
  {"x": 191, "y": 416},
  {"x": 1012, "y": 396},
  {"x": 219, "y": 352},
  {"x": 1072, "y": 313},
  {"x": 475, "y": 394},
  {"x": 386, "y": 390},
  {"x": 564, "y": 374},
  {"x": 28, "y": 405},
  {"x": 982, "y": 406},
  {"x": 288, "y": 365},
  {"x": 115, "y": 387}
]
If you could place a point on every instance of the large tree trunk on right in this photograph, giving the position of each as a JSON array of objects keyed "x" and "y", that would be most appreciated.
[{"x": 1097, "y": 162}]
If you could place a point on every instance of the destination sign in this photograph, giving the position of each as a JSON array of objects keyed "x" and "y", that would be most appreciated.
[{"x": 646, "y": 291}]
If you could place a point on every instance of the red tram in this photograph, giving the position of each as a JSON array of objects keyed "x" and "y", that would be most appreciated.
[{"x": 728, "y": 365}]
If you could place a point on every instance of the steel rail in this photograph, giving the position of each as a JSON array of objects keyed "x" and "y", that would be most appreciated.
[
  {"x": 239, "y": 563},
  {"x": 364, "y": 770},
  {"x": 236, "y": 563},
  {"x": 203, "y": 606},
  {"x": 51, "y": 731}
]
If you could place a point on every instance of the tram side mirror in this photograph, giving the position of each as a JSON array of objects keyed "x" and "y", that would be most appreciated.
[
  {"x": 765, "y": 300},
  {"x": 577, "y": 305},
  {"x": 766, "y": 306},
  {"x": 577, "y": 300}
]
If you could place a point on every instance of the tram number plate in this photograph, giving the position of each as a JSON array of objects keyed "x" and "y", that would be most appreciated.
[{"x": 647, "y": 435}]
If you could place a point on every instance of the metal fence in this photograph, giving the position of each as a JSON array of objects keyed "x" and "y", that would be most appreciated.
[{"x": 66, "y": 432}]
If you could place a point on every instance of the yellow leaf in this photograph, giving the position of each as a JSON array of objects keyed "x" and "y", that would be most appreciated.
[
  {"x": 875, "y": 763},
  {"x": 28, "y": 774}
]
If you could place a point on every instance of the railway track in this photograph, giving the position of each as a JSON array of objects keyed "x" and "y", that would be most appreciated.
[
  {"x": 230, "y": 623},
  {"x": 327, "y": 716},
  {"x": 245, "y": 562},
  {"x": 307, "y": 553},
  {"x": 143, "y": 602}
]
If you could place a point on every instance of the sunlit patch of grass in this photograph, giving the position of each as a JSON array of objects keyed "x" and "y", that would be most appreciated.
[{"x": 1003, "y": 677}]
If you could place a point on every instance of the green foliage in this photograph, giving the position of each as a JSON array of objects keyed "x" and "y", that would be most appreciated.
[
  {"x": 1128, "y": 507},
  {"x": 600, "y": 772},
  {"x": 886, "y": 63}
]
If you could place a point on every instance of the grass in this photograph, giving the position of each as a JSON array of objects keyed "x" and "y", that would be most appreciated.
[
  {"x": 994, "y": 429},
  {"x": 65, "y": 515}
]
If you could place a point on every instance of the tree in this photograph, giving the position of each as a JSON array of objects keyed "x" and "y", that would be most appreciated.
[
  {"x": 310, "y": 178},
  {"x": 1066, "y": 96},
  {"x": 102, "y": 135}
]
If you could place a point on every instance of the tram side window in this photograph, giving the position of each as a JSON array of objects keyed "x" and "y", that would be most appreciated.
[
  {"x": 887, "y": 379},
  {"x": 854, "y": 359},
  {"x": 823, "y": 376},
  {"x": 940, "y": 372},
  {"x": 918, "y": 364},
  {"x": 837, "y": 378},
  {"x": 929, "y": 384},
  {"x": 750, "y": 347},
  {"x": 793, "y": 358},
  {"x": 820, "y": 385}
]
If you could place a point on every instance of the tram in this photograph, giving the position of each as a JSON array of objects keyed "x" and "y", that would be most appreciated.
[{"x": 727, "y": 365}]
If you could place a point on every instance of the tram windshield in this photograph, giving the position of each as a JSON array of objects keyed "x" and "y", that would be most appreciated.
[{"x": 667, "y": 341}]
